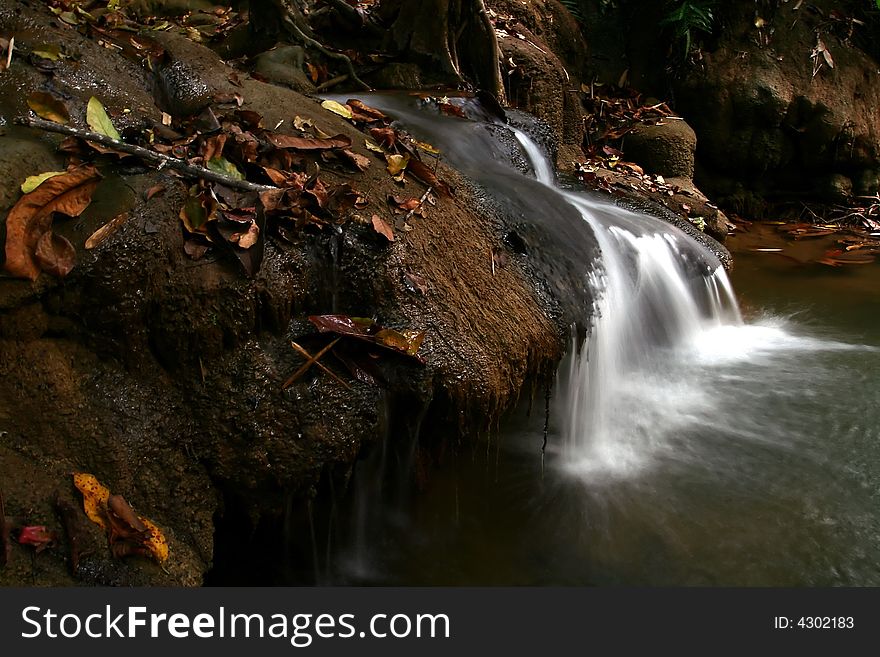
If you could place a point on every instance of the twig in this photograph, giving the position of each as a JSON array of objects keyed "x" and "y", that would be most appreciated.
[
  {"x": 321, "y": 365},
  {"x": 163, "y": 161},
  {"x": 309, "y": 41},
  {"x": 311, "y": 361},
  {"x": 418, "y": 207}
]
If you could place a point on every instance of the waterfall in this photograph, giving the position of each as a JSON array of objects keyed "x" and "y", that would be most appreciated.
[{"x": 657, "y": 292}]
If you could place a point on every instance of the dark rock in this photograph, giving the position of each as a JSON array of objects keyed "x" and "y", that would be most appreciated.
[
  {"x": 666, "y": 149},
  {"x": 283, "y": 65}
]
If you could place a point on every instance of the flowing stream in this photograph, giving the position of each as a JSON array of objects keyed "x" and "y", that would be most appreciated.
[{"x": 688, "y": 446}]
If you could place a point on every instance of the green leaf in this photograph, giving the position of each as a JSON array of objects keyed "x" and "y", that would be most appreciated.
[
  {"x": 96, "y": 117},
  {"x": 223, "y": 166},
  {"x": 32, "y": 182}
]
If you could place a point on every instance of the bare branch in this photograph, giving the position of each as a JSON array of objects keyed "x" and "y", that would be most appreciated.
[{"x": 162, "y": 161}]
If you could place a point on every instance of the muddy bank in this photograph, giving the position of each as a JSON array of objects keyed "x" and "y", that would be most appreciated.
[{"x": 162, "y": 375}]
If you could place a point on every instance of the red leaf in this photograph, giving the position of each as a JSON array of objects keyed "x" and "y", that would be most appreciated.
[
  {"x": 37, "y": 536},
  {"x": 55, "y": 254}
]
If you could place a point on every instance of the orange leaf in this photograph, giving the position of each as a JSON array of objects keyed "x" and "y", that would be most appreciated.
[
  {"x": 31, "y": 217},
  {"x": 382, "y": 227}
]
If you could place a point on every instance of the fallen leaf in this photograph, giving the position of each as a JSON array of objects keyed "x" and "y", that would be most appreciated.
[
  {"x": 367, "y": 330},
  {"x": 426, "y": 147},
  {"x": 55, "y": 254},
  {"x": 373, "y": 146},
  {"x": 337, "y": 108},
  {"x": 32, "y": 182},
  {"x": 359, "y": 161},
  {"x": 308, "y": 143},
  {"x": 386, "y": 137},
  {"x": 37, "y": 536},
  {"x": 382, "y": 227},
  {"x": 48, "y": 107},
  {"x": 371, "y": 112},
  {"x": 95, "y": 497},
  {"x": 105, "y": 231},
  {"x": 396, "y": 163},
  {"x": 31, "y": 216},
  {"x": 96, "y": 117},
  {"x": 224, "y": 167},
  {"x": 127, "y": 532},
  {"x": 155, "y": 542}
]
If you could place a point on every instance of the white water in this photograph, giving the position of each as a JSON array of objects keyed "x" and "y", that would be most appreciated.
[{"x": 662, "y": 300}]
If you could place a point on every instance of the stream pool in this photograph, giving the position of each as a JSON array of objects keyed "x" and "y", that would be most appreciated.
[{"x": 754, "y": 462}]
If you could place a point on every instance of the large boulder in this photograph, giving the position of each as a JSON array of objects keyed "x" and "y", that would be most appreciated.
[
  {"x": 666, "y": 148},
  {"x": 771, "y": 112}
]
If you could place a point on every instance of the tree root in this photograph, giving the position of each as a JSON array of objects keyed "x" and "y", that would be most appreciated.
[{"x": 309, "y": 42}]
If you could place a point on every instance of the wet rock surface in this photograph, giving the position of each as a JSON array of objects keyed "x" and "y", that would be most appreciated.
[{"x": 162, "y": 375}]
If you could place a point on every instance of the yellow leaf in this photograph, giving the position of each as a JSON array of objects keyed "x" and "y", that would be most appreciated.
[
  {"x": 32, "y": 182},
  {"x": 156, "y": 542},
  {"x": 373, "y": 146},
  {"x": 48, "y": 107},
  {"x": 95, "y": 497},
  {"x": 427, "y": 147},
  {"x": 336, "y": 108},
  {"x": 397, "y": 163}
]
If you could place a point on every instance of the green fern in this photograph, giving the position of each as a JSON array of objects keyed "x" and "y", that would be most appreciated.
[{"x": 687, "y": 17}]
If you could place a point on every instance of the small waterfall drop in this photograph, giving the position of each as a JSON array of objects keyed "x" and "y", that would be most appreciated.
[{"x": 657, "y": 291}]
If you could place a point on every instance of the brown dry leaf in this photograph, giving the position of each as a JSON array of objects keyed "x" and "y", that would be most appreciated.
[
  {"x": 31, "y": 217},
  {"x": 382, "y": 227},
  {"x": 46, "y": 106},
  {"x": 105, "y": 231},
  {"x": 308, "y": 143},
  {"x": 371, "y": 112},
  {"x": 95, "y": 497},
  {"x": 385, "y": 137},
  {"x": 421, "y": 171},
  {"x": 358, "y": 161},
  {"x": 55, "y": 254}
]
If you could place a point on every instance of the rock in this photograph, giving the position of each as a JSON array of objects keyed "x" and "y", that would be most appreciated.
[
  {"x": 835, "y": 188},
  {"x": 23, "y": 154},
  {"x": 144, "y": 8},
  {"x": 397, "y": 75},
  {"x": 665, "y": 149},
  {"x": 867, "y": 182},
  {"x": 283, "y": 65}
]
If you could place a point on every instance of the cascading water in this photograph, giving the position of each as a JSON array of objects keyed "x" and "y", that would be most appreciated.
[
  {"x": 687, "y": 446},
  {"x": 657, "y": 291}
]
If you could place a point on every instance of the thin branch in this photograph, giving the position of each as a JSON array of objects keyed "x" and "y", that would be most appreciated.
[
  {"x": 327, "y": 370},
  {"x": 311, "y": 361},
  {"x": 419, "y": 206},
  {"x": 163, "y": 161}
]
